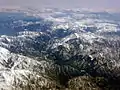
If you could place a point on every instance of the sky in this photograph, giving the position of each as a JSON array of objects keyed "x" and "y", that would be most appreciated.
[{"x": 92, "y": 4}]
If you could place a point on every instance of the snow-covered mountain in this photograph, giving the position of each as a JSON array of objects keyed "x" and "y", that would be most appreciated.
[{"x": 51, "y": 48}]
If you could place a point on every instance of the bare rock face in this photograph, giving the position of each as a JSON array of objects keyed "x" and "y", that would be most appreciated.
[{"x": 82, "y": 83}]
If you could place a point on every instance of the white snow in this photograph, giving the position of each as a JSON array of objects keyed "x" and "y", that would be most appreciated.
[{"x": 4, "y": 54}]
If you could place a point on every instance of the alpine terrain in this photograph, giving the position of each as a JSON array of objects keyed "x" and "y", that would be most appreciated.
[{"x": 59, "y": 49}]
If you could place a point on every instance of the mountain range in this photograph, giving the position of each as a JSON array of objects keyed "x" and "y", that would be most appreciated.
[{"x": 56, "y": 49}]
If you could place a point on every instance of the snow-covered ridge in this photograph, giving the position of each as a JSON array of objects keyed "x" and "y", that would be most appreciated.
[{"x": 15, "y": 67}]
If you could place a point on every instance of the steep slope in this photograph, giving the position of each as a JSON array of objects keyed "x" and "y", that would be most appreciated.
[{"x": 19, "y": 71}]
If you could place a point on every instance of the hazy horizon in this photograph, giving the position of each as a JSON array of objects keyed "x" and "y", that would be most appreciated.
[{"x": 90, "y": 4}]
